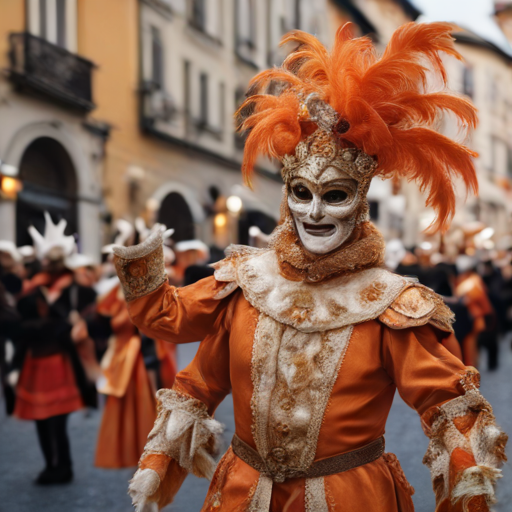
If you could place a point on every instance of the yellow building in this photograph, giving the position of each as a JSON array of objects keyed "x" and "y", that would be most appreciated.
[{"x": 170, "y": 76}]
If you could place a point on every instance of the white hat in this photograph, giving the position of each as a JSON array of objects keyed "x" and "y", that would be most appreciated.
[
  {"x": 76, "y": 261},
  {"x": 464, "y": 263},
  {"x": 11, "y": 249},
  {"x": 126, "y": 231},
  {"x": 194, "y": 245},
  {"x": 395, "y": 253},
  {"x": 53, "y": 237}
]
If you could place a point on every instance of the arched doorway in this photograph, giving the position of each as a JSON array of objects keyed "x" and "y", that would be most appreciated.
[
  {"x": 175, "y": 213},
  {"x": 49, "y": 183}
]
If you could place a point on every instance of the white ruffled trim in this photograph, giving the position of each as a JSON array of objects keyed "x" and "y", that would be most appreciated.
[
  {"x": 481, "y": 442},
  {"x": 144, "y": 484},
  {"x": 183, "y": 431},
  {"x": 476, "y": 481}
]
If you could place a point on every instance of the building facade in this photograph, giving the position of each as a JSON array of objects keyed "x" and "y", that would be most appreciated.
[
  {"x": 49, "y": 144},
  {"x": 167, "y": 77},
  {"x": 484, "y": 76},
  {"x": 170, "y": 82}
]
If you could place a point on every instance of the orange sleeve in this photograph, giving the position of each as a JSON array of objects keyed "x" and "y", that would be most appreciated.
[
  {"x": 466, "y": 447},
  {"x": 180, "y": 315},
  {"x": 425, "y": 373},
  {"x": 207, "y": 377}
]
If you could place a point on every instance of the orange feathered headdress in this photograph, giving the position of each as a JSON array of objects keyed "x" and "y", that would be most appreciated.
[{"x": 382, "y": 107}]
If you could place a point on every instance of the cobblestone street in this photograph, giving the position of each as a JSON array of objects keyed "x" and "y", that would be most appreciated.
[{"x": 95, "y": 490}]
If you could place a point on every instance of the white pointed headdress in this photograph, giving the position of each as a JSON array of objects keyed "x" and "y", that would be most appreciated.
[
  {"x": 53, "y": 237},
  {"x": 127, "y": 230}
]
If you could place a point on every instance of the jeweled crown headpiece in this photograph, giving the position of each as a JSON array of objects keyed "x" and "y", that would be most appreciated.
[{"x": 370, "y": 116}]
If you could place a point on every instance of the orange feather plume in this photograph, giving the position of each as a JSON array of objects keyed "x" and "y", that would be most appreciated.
[{"x": 385, "y": 102}]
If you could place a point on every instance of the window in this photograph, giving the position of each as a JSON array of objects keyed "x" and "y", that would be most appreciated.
[
  {"x": 246, "y": 23},
  {"x": 297, "y": 14},
  {"x": 198, "y": 14},
  {"x": 206, "y": 16},
  {"x": 186, "y": 86},
  {"x": 293, "y": 15},
  {"x": 222, "y": 105},
  {"x": 468, "y": 81},
  {"x": 239, "y": 99},
  {"x": 54, "y": 20},
  {"x": 203, "y": 99},
  {"x": 42, "y": 19},
  {"x": 157, "y": 61},
  {"x": 61, "y": 23}
]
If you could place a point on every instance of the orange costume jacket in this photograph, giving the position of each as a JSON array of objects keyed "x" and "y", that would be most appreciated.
[{"x": 313, "y": 369}]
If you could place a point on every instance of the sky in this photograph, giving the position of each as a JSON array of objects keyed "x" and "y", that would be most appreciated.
[{"x": 474, "y": 15}]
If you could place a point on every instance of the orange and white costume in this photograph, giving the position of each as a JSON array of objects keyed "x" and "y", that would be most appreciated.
[{"x": 313, "y": 343}]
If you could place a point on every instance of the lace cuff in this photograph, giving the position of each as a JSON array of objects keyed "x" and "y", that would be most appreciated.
[
  {"x": 466, "y": 447},
  {"x": 141, "y": 268},
  {"x": 185, "y": 432}
]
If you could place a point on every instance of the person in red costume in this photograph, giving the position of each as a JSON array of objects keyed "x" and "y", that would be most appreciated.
[
  {"x": 46, "y": 370},
  {"x": 312, "y": 336}
]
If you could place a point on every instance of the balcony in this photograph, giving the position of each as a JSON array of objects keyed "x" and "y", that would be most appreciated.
[{"x": 44, "y": 68}]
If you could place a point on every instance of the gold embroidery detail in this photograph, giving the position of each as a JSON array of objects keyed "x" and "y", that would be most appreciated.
[
  {"x": 291, "y": 389},
  {"x": 416, "y": 306},
  {"x": 141, "y": 276},
  {"x": 138, "y": 268},
  {"x": 373, "y": 292}
]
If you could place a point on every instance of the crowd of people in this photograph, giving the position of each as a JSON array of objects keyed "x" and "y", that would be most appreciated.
[
  {"x": 476, "y": 286},
  {"x": 66, "y": 338}
]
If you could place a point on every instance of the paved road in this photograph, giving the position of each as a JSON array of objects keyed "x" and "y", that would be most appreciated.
[{"x": 96, "y": 490}]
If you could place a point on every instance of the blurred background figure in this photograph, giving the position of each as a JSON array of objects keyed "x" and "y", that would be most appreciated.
[
  {"x": 190, "y": 264},
  {"x": 470, "y": 287},
  {"x": 46, "y": 371},
  {"x": 133, "y": 367}
]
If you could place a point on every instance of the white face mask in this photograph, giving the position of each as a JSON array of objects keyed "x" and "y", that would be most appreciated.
[{"x": 323, "y": 210}]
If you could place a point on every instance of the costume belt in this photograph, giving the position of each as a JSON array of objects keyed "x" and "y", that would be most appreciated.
[{"x": 324, "y": 467}]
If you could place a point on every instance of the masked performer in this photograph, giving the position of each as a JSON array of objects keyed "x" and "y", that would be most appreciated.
[
  {"x": 311, "y": 335},
  {"x": 52, "y": 382}
]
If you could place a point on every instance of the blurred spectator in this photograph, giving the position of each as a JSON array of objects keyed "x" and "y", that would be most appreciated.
[
  {"x": 10, "y": 267},
  {"x": 471, "y": 288},
  {"x": 410, "y": 266},
  {"x": 191, "y": 255},
  {"x": 9, "y": 325},
  {"x": 133, "y": 366},
  {"x": 46, "y": 371}
]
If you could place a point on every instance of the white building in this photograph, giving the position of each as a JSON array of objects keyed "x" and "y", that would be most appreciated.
[{"x": 485, "y": 77}]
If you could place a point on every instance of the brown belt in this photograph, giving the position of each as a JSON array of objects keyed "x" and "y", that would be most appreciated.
[{"x": 324, "y": 467}]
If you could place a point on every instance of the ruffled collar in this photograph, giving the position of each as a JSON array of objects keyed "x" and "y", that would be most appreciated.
[{"x": 364, "y": 250}]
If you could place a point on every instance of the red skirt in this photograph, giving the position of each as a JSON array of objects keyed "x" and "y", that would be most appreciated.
[{"x": 46, "y": 388}]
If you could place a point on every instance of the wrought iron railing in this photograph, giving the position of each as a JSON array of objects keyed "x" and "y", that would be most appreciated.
[{"x": 51, "y": 70}]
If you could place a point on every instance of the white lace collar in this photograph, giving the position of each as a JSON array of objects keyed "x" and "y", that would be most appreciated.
[{"x": 309, "y": 307}]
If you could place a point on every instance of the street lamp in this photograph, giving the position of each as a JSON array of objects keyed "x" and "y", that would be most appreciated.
[
  {"x": 234, "y": 204},
  {"x": 10, "y": 185}
]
